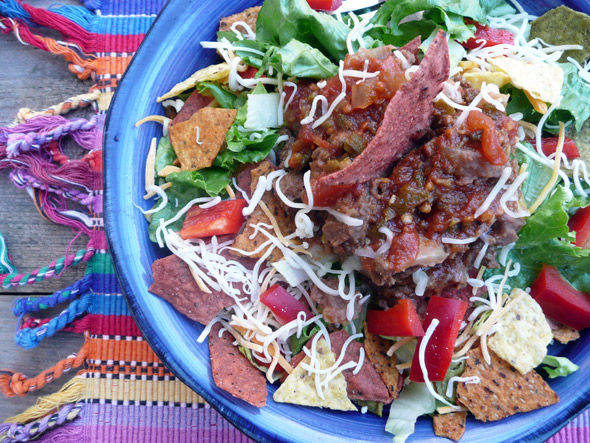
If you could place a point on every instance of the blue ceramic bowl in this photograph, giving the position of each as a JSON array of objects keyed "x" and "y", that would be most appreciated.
[{"x": 169, "y": 54}]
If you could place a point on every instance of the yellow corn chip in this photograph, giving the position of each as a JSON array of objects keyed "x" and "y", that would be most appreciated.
[
  {"x": 476, "y": 77},
  {"x": 299, "y": 387},
  {"x": 541, "y": 81},
  {"x": 218, "y": 72},
  {"x": 538, "y": 105}
]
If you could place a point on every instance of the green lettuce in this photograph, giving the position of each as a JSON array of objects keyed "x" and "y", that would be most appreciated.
[
  {"x": 445, "y": 14},
  {"x": 186, "y": 186},
  {"x": 240, "y": 148},
  {"x": 546, "y": 239},
  {"x": 558, "y": 366},
  {"x": 280, "y": 21},
  {"x": 165, "y": 154},
  {"x": 297, "y": 343},
  {"x": 455, "y": 370},
  {"x": 225, "y": 98},
  {"x": 297, "y": 59},
  {"x": 372, "y": 406},
  {"x": 414, "y": 401},
  {"x": 539, "y": 175},
  {"x": 574, "y": 107}
]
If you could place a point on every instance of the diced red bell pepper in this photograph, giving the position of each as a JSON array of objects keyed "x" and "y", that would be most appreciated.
[
  {"x": 559, "y": 300},
  {"x": 580, "y": 223},
  {"x": 249, "y": 73},
  {"x": 492, "y": 36},
  {"x": 491, "y": 149},
  {"x": 223, "y": 218},
  {"x": 283, "y": 305},
  {"x": 399, "y": 321},
  {"x": 549, "y": 145},
  {"x": 440, "y": 347},
  {"x": 325, "y": 5}
]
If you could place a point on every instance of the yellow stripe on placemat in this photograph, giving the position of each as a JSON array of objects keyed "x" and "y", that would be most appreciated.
[{"x": 115, "y": 389}]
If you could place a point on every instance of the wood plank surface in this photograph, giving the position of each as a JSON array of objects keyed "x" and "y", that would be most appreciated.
[{"x": 35, "y": 79}]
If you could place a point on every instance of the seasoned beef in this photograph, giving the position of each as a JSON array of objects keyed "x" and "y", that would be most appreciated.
[
  {"x": 406, "y": 120},
  {"x": 504, "y": 231},
  {"x": 333, "y": 306},
  {"x": 292, "y": 186}
]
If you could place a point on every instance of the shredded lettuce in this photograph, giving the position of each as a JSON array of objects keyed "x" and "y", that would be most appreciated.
[
  {"x": 414, "y": 401},
  {"x": 297, "y": 59},
  {"x": 280, "y": 21},
  {"x": 558, "y": 366}
]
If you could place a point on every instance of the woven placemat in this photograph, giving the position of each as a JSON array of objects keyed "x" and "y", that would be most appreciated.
[{"x": 123, "y": 393}]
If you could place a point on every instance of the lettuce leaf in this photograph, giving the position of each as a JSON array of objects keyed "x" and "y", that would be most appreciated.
[
  {"x": 297, "y": 343},
  {"x": 446, "y": 14},
  {"x": 455, "y": 370},
  {"x": 545, "y": 239},
  {"x": 165, "y": 154},
  {"x": 372, "y": 406},
  {"x": 225, "y": 98},
  {"x": 558, "y": 366},
  {"x": 574, "y": 107},
  {"x": 414, "y": 400},
  {"x": 280, "y": 21},
  {"x": 539, "y": 175},
  {"x": 297, "y": 59},
  {"x": 186, "y": 186}
]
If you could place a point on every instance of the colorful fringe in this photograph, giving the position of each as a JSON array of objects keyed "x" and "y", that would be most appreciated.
[{"x": 123, "y": 393}]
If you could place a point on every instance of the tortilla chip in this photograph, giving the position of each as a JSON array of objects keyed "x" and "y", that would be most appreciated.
[
  {"x": 277, "y": 209},
  {"x": 541, "y": 81},
  {"x": 564, "y": 26},
  {"x": 564, "y": 334},
  {"x": 450, "y": 425},
  {"x": 192, "y": 104},
  {"x": 248, "y": 16},
  {"x": 233, "y": 372},
  {"x": 174, "y": 282},
  {"x": 299, "y": 387},
  {"x": 366, "y": 384},
  {"x": 212, "y": 73},
  {"x": 503, "y": 391},
  {"x": 476, "y": 77},
  {"x": 376, "y": 348},
  {"x": 212, "y": 124},
  {"x": 523, "y": 334},
  {"x": 538, "y": 105}
]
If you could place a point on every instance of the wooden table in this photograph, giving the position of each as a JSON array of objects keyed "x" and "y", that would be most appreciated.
[{"x": 34, "y": 79}]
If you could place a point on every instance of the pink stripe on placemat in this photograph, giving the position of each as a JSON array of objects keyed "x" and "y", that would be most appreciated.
[{"x": 577, "y": 431}]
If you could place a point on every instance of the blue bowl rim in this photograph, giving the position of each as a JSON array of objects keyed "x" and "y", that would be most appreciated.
[{"x": 250, "y": 429}]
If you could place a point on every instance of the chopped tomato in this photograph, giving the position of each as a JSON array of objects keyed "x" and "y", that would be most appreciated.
[
  {"x": 325, "y": 5},
  {"x": 549, "y": 145},
  {"x": 439, "y": 349},
  {"x": 580, "y": 223},
  {"x": 559, "y": 300},
  {"x": 327, "y": 196},
  {"x": 283, "y": 305},
  {"x": 249, "y": 73},
  {"x": 492, "y": 36},
  {"x": 399, "y": 321},
  {"x": 223, "y": 218},
  {"x": 404, "y": 249},
  {"x": 491, "y": 149}
]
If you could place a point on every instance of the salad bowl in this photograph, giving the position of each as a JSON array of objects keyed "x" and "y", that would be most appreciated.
[{"x": 170, "y": 53}]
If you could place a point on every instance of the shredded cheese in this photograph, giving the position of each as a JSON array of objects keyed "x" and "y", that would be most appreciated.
[{"x": 150, "y": 173}]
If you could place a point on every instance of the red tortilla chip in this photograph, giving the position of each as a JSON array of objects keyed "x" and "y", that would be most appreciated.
[
  {"x": 376, "y": 348},
  {"x": 233, "y": 372},
  {"x": 195, "y": 102},
  {"x": 450, "y": 425},
  {"x": 564, "y": 334},
  {"x": 503, "y": 390},
  {"x": 367, "y": 384},
  {"x": 249, "y": 16},
  {"x": 212, "y": 125}
]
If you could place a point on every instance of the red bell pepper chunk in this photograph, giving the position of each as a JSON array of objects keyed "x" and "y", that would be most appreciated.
[
  {"x": 283, "y": 305},
  {"x": 249, "y": 73},
  {"x": 399, "y": 321},
  {"x": 440, "y": 347},
  {"x": 549, "y": 145},
  {"x": 491, "y": 149},
  {"x": 492, "y": 36},
  {"x": 559, "y": 300},
  {"x": 223, "y": 218},
  {"x": 580, "y": 223},
  {"x": 325, "y": 5}
]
